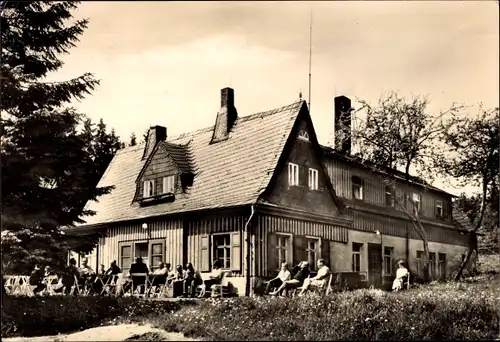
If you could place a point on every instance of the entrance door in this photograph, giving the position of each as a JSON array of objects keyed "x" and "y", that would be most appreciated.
[{"x": 374, "y": 265}]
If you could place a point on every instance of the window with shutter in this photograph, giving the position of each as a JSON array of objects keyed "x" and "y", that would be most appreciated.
[
  {"x": 222, "y": 249},
  {"x": 313, "y": 250},
  {"x": 156, "y": 253}
]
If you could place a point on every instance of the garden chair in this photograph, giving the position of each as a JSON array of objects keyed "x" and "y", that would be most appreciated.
[
  {"x": 163, "y": 288},
  {"x": 75, "y": 288},
  {"x": 24, "y": 287},
  {"x": 137, "y": 284},
  {"x": 222, "y": 289},
  {"x": 11, "y": 284},
  {"x": 112, "y": 285},
  {"x": 51, "y": 282}
]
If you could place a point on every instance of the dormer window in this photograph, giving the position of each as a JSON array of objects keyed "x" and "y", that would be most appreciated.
[
  {"x": 169, "y": 184},
  {"x": 303, "y": 135},
  {"x": 149, "y": 188}
]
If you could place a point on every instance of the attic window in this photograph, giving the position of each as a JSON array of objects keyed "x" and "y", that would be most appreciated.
[
  {"x": 303, "y": 135},
  {"x": 149, "y": 188},
  {"x": 169, "y": 184}
]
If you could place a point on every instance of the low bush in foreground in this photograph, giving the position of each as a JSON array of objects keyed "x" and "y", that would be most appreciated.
[
  {"x": 23, "y": 316},
  {"x": 451, "y": 311}
]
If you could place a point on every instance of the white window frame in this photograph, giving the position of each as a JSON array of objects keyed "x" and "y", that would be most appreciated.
[
  {"x": 293, "y": 174},
  {"x": 388, "y": 260},
  {"x": 303, "y": 135},
  {"x": 316, "y": 251},
  {"x": 169, "y": 184},
  {"x": 439, "y": 207},
  {"x": 225, "y": 247},
  {"x": 417, "y": 198},
  {"x": 358, "y": 186},
  {"x": 358, "y": 253},
  {"x": 288, "y": 248},
  {"x": 149, "y": 188},
  {"x": 313, "y": 179}
]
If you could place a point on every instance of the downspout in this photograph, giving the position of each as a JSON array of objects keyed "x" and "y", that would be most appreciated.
[
  {"x": 407, "y": 247},
  {"x": 247, "y": 282}
]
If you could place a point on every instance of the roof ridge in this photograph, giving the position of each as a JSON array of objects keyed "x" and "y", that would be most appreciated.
[{"x": 244, "y": 118}]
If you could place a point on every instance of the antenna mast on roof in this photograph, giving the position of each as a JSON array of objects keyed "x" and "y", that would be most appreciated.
[{"x": 310, "y": 54}]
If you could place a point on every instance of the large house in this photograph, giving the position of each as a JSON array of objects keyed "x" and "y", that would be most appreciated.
[{"x": 254, "y": 190}]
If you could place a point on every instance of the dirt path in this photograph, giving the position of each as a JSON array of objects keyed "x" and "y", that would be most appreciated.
[{"x": 108, "y": 333}]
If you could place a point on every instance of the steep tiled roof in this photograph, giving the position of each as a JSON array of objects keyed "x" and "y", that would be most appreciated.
[{"x": 228, "y": 173}]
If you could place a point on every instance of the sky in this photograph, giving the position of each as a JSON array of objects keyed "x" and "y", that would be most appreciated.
[{"x": 164, "y": 63}]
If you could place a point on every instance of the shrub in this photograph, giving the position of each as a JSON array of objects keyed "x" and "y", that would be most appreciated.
[
  {"x": 51, "y": 315},
  {"x": 450, "y": 311}
]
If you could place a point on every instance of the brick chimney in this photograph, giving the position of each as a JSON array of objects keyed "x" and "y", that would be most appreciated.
[
  {"x": 226, "y": 116},
  {"x": 155, "y": 135},
  {"x": 342, "y": 124}
]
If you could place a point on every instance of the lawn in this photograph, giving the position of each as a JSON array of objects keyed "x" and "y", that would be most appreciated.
[{"x": 469, "y": 309}]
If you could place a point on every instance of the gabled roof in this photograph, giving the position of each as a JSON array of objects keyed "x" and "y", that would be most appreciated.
[
  {"x": 229, "y": 173},
  {"x": 180, "y": 154}
]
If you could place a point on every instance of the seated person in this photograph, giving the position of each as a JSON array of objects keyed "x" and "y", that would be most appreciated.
[
  {"x": 297, "y": 280},
  {"x": 401, "y": 273},
  {"x": 282, "y": 276},
  {"x": 102, "y": 270},
  {"x": 68, "y": 276},
  {"x": 177, "y": 279},
  {"x": 214, "y": 278},
  {"x": 192, "y": 278},
  {"x": 51, "y": 276},
  {"x": 87, "y": 275},
  {"x": 319, "y": 280},
  {"x": 134, "y": 281},
  {"x": 159, "y": 276},
  {"x": 36, "y": 279}
]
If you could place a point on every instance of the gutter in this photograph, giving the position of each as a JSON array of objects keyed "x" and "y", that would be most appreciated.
[{"x": 248, "y": 268}]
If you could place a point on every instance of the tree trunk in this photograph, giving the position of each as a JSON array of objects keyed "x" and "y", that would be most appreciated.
[{"x": 473, "y": 240}]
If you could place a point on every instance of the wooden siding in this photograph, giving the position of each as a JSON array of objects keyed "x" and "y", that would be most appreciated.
[
  {"x": 160, "y": 165},
  {"x": 398, "y": 227},
  {"x": 306, "y": 155},
  {"x": 341, "y": 173},
  {"x": 171, "y": 231},
  {"x": 266, "y": 224},
  {"x": 199, "y": 228}
]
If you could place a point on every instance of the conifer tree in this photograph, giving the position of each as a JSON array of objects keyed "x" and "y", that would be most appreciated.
[{"x": 45, "y": 157}]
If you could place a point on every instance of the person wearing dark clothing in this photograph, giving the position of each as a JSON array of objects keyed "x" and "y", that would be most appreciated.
[
  {"x": 296, "y": 281},
  {"x": 177, "y": 281},
  {"x": 113, "y": 269},
  {"x": 192, "y": 279},
  {"x": 36, "y": 279},
  {"x": 135, "y": 281},
  {"x": 68, "y": 278}
]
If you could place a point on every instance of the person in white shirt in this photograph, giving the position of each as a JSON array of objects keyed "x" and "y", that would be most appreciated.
[
  {"x": 400, "y": 274},
  {"x": 319, "y": 280},
  {"x": 282, "y": 276},
  {"x": 159, "y": 277}
]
